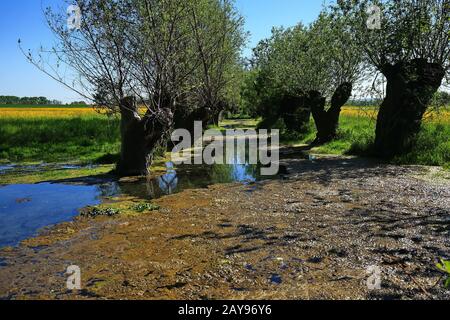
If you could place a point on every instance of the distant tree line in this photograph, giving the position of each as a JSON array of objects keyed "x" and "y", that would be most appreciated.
[
  {"x": 441, "y": 99},
  {"x": 28, "y": 100},
  {"x": 38, "y": 101}
]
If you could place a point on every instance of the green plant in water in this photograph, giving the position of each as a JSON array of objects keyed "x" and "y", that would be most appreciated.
[
  {"x": 444, "y": 266},
  {"x": 144, "y": 206}
]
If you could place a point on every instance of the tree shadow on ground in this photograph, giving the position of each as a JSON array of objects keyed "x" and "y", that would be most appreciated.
[{"x": 326, "y": 169}]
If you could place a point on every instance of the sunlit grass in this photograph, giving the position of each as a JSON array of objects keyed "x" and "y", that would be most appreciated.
[
  {"x": 357, "y": 134},
  {"x": 74, "y": 134},
  {"x": 56, "y": 135}
]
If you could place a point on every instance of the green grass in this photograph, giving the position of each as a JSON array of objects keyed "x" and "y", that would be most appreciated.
[
  {"x": 82, "y": 139},
  {"x": 96, "y": 139},
  {"x": 20, "y": 177},
  {"x": 356, "y": 135},
  {"x": 432, "y": 147}
]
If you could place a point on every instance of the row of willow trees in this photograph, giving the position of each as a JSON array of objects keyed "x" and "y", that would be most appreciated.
[
  {"x": 161, "y": 64},
  {"x": 314, "y": 69},
  {"x": 181, "y": 61}
]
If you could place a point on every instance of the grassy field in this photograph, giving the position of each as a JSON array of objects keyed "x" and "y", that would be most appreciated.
[
  {"x": 57, "y": 135},
  {"x": 75, "y": 134},
  {"x": 357, "y": 133}
]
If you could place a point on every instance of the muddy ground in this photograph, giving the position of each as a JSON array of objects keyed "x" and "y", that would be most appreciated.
[{"x": 311, "y": 235}]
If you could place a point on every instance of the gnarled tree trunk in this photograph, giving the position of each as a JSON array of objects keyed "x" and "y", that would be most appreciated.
[
  {"x": 134, "y": 152},
  {"x": 327, "y": 122},
  {"x": 140, "y": 137},
  {"x": 410, "y": 88},
  {"x": 294, "y": 113}
]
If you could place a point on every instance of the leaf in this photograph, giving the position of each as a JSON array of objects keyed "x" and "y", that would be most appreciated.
[
  {"x": 444, "y": 266},
  {"x": 447, "y": 265},
  {"x": 447, "y": 283}
]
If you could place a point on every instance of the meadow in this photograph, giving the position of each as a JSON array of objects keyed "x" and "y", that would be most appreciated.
[
  {"x": 57, "y": 135},
  {"x": 84, "y": 135},
  {"x": 357, "y": 133}
]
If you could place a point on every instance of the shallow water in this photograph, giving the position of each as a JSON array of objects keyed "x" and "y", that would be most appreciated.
[
  {"x": 27, "y": 208},
  {"x": 189, "y": 177},
  {"x": 24, "y": 209}
]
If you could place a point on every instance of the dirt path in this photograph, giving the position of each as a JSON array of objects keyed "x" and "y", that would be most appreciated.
[{"x": 310, "y": 236}]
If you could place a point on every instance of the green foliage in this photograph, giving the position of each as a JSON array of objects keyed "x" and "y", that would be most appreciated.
[
  {"x": 440, "y": 100},
  {"x": 287, "y": 135},
  {"x": 295, "y": 61},
  {"x": 444, "y": 266},
  {"x": 144, "y": 206},
  {"x": 249, "y": 96},
  {"x": 92, "y": 212},
  {"x": 409, "y": 30},
  {"x": 57, "y": 105},
  {"x": 432, "y": 147}
]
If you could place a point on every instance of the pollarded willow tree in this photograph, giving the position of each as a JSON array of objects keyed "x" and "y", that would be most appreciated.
[
  {"x": 276, "y": 66},
  {"x": 308, "y": 69},
  {"x": 218, "y": 38},
  {"x": 147, "y": 60},
  {"x": 411, "y": 48},
  {"x": 332, "y": 66}
]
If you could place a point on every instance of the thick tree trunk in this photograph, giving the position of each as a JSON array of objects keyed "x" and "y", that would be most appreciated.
[
  {"x": 140, "y": 137},
  {"x": 327, "y": 122},
  {"x": 410, "y": 88},
  {"x": 134, "y": 152},
  {"x": 294, "y": 113}
]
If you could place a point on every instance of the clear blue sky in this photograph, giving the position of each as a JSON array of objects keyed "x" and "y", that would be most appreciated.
[{"x": 24, "y": 19}]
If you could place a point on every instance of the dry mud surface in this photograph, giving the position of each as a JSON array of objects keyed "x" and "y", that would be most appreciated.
[{"x": 311, "y": 235}]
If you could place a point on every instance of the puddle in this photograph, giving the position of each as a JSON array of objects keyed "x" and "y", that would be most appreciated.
[
  {"x": 190, "y": 177},
  {"x": 24, "y": 209},
  {"x": 27, "y": 208}
]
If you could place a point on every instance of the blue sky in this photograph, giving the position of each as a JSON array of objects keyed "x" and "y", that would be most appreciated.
[{"x": 24, "y": 19}]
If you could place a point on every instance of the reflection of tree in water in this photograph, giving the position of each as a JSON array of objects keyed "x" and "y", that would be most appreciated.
[
  {"x": 237, "y": 167},
  {"x": 193, "y": 176},
  {"x": 227, "y": 173},
  {"x": 168, "y": 182},
  {"x": 109, "y": 189}
]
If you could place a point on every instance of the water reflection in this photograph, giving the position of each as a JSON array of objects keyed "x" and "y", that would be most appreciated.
[
  {"x": 168, "y": 182},
  {"x": 24, "y": 209},
  {"x": 182, "y": 177}
]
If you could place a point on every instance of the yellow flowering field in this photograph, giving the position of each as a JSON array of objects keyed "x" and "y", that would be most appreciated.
[
  {"x": 371, "y": 112},
  {"x": 61, "y": 112},
  {"x": 46, "y": 112}
]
